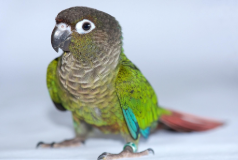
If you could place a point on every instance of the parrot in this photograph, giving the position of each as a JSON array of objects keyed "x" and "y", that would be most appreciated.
[{"x": 103, "y": 89}]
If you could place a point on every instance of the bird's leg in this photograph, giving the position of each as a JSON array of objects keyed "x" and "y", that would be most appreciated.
[
  {"x": 81, "y": 129},
  {"x": 129, "y": 151}
]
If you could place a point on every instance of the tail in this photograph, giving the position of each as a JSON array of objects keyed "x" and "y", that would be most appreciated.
[{"x": 183, "y": 122}]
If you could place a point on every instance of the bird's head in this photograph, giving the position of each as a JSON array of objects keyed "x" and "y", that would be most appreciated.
[{"x": 86, "y": 32}]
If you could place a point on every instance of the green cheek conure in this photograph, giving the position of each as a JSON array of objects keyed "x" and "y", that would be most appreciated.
[{"x": 102, "y": 88}]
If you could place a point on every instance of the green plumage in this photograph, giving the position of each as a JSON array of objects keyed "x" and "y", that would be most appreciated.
[
  {"x": 52, "y": 81},
  {"x": 135, "y": 92},
  {"x": 132, "y": 90}
]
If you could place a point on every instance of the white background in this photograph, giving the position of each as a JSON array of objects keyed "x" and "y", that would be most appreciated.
[{"x": 188, "y": 50}]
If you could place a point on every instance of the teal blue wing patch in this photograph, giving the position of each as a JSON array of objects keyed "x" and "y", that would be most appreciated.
[
  {"x": 145, "y": 132},
  {"x": 131, "y": 122}
]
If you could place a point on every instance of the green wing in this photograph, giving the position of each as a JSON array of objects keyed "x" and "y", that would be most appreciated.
[
  {"x": 52, "y": 84},
  {"x": 137, "y": 99}
]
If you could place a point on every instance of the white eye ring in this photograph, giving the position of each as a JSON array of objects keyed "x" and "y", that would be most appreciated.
[{"x": 84, "y": 26}]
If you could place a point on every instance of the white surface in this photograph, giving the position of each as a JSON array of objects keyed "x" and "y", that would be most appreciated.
[{"x": 189, "y": 53}]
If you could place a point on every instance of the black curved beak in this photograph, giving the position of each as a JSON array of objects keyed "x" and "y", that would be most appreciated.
[{"x": 60, "y": 39}]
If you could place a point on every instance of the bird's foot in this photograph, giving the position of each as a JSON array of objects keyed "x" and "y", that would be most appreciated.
[
  {"x": 66, "y": 143},
  {"x": 128, "y": 152}
]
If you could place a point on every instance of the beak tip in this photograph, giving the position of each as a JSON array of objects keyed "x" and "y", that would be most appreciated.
[
  {"x": 56, "y": 49},
  {"x": 60, "y": 39}
]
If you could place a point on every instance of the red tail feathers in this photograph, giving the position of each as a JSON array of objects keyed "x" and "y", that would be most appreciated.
[{"x": 183, "y": 122}]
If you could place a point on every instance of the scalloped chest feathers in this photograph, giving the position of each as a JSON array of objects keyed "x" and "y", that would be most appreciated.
[{"x": 90, "y": 81}]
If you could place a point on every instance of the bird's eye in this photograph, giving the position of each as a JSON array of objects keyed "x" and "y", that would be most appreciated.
[{"x": 84, "y": 26}]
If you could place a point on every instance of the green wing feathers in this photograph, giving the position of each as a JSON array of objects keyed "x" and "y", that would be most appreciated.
[
  {"x": 52, "y": 84},
  {"x": 135, "y": 92},
  {"x": 51, "y": 81}
]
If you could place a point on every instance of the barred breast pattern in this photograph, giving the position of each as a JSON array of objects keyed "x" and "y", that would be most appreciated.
[{"x": 90, "y": 80}]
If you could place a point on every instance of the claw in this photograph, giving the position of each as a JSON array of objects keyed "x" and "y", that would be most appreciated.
[
  {"x": 39, "y": 143},
  {"x": 150, "y": 151},
  {"x": 102, "y": 156},
  {"x": 42, "y": 144},
  {"x": 52, "y": 144}
]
